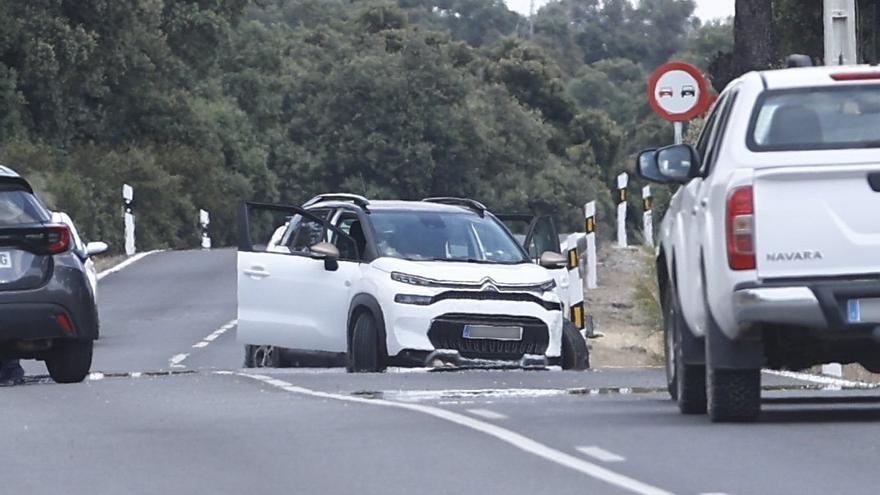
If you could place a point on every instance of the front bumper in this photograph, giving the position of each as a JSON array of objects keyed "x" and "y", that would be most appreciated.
[
  {"x": 816, "y": 304},
  {"x": 408, "y": 326}
]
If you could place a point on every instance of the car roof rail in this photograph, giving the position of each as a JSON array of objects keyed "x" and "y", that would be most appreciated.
[
  {"x": 354, "y": 198},
  {"x": 478, "y": 207}
]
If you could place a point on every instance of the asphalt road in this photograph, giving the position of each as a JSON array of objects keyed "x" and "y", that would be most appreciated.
[{"x": 169, "y": 410}]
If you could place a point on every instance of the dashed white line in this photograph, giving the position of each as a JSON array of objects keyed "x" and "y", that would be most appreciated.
[
  {"x": 175, "y": 360},
  {"x": 215, "y": 334},
  {"x": 486, "y": 414},
  {"x": 600, "y": 454},
  {"x": 821, "y": 380},
  {"x": 512, "y": 438},
  {"x": 126, "y": 263}
]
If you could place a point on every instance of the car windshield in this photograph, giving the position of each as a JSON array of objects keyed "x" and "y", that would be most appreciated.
[
  {"x": 817, "y": 119},
  {"x": 18, "y": 207},
  {"x": 444, "y": 236}
]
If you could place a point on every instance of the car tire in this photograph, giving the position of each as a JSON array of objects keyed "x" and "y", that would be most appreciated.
[
  {"x": 575, "y": 353},
  {"x": 686, "y": 383},
  {"x": 263, "y": 356},
  {"x": 70, "y": 361},
  {"x": 365, "y": 350},
  {"x": 733, "y": 395}
]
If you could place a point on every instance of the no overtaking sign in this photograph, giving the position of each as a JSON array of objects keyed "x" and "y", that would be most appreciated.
[{"x": 678, "y": 92}]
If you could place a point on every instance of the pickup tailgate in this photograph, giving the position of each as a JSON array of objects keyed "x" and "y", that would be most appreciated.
[{"x": 817, "y": 221}]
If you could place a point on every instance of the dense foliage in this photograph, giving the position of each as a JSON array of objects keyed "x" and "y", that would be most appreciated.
[{"x": 203, "y": 103}]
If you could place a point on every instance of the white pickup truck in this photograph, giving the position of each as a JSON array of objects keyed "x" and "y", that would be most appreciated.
[{"x": 769, "y": 253}]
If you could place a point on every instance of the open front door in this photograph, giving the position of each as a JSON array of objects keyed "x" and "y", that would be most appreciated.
[
  {"x": 537, "y": 234},
  {"x": 288, "y": 295}
]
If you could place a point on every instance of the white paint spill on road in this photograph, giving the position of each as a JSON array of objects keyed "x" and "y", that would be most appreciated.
[
  {"x": 128, "y": 262},
  {"x": 487, "y": 414},
  {"x": 835, "y": 383},
  {"x": 600, "y": 454},
  {"x": 509, "y": 437}
]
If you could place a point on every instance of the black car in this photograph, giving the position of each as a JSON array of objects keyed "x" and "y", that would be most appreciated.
[{"x": 47, "y": 302}]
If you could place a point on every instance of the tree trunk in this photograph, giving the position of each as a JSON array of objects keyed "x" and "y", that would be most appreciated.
[{"x": 754, "y": 40}]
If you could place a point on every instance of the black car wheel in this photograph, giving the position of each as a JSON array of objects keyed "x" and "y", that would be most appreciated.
[
  {"x": 575, "y": 353},
  {"x": 70, "y": 361},
  {"x": 365, "y": 350},
  {"x": 263, "y": 356},
  {"x": 686, "y": 382}
]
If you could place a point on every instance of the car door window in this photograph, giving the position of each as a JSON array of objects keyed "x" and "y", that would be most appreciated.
[
  {"x": 350, "y": 248},
  {"x": 706, "y": 134},
  {"x": 718, "y": 132},
  {"x": 543, "y": 237}
]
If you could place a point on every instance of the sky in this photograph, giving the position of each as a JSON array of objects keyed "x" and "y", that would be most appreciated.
[{"x": 706, "y": 9}]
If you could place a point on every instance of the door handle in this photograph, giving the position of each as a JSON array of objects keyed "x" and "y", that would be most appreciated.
[{"x": 256, "y": 272}]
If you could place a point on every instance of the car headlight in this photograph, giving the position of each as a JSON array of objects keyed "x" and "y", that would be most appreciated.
[
  {"x": 547, "y": 286},
  {"x": 413, "y": 299},
  {"x": 411, "y": 279}
]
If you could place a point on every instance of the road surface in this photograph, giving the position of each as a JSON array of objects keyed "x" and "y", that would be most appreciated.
[{"x": 169, "y": 410}]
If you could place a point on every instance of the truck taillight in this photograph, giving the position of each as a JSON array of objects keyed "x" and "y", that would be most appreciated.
[
  {"x": 741, "y": 229},
  {"x": 58, "y": 239}
]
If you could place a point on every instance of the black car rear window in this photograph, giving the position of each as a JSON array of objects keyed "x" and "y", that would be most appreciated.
[
  {"x": 19, "y": 207},
  {"x": 825, "y": 118}
]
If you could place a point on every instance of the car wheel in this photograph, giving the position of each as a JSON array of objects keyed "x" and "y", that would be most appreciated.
[
  {"x": 365, "y": 351},
  {"x": 263, "y": 356},
  {"x": 686, "y": 382},
  {"x": 733, "y": 395},
  {"x": 575, "y": 353},
  {"x": 70, "y": 361}
]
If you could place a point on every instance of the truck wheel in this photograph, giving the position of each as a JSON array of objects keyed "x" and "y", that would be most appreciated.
[
  {"x": 575, "y": 353},
  {"x": 365, "y": 351},
  {"x": 686, "y": 382},
  {"x": 733, "y": 395},
  {"x": 70, "y": 361}
]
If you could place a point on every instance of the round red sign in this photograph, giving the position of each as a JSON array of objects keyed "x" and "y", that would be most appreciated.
[{"x": 678, "y": 92}]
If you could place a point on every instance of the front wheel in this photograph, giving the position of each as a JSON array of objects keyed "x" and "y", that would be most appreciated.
[
  {"x": 575, "y": 353},
  {"x": 70, "y": 361},
  {"x": 686, "y": 382},
  {"x": 263, "y": 356},
  {"x": 365, "y": 350}
]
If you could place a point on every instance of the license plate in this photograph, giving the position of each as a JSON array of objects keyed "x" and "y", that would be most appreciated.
[
  {"x": 5, "y": 260},
  {"x": 863, "y": 310},
  {"x": 492, "y": 332}
]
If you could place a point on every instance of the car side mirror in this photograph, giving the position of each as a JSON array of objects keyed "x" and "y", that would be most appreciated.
[
  {"x": 327, "y": 252},
  {"x": 678, "y": 163},
  {"x": 96, "y": 248},
  {"x": 552, "y": 260}
]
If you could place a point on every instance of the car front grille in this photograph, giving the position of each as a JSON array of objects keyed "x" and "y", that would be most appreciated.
[
  {"x": 446, "y": 332},
  {"x": 484, "y": 295}
]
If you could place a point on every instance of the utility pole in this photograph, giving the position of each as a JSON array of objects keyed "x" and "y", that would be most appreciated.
[{"x": 840, "y": 32}]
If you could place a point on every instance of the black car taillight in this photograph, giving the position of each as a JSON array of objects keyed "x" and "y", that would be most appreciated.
[{"x": 57, "y": 239}]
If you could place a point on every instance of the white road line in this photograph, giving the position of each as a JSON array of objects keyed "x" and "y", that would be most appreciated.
[
  {"x": 486, "y": 414},
  {"x": 177, "y": 359},
  {"x": 600, "y": 454},
  {"x": 512, "y": 438},
  {"x": 821, "y": 380},
  {"x": 713, "y": 493},
  {"x": 126, "y": 263},
  {"x": 200, "y": 345}
]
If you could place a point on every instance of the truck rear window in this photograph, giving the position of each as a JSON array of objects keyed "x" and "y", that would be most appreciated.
[{"x": 816, "y": 119}]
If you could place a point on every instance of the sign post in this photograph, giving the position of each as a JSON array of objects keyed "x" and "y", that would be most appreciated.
[
  {"x": 590, "y": 219},
  {"x": 648, "y": 216},
  {"x": 204, "y": 221},
  {"x": 622, "y": 182},
  {"x": 127, "y": 198}
]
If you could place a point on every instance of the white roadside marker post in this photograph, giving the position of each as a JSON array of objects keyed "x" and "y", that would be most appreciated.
[
  {"x": 204, "y": 221},
  {"x": 648, "y": 216},
  {"x": 127, "y": 198},
  {"x": 622, "y": 182},
  {"x": 590, "y": 219},
  {"x": 575, "y": 284}
]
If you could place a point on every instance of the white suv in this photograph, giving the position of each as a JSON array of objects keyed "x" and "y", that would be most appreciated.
[
  {"x": 770, "y": 250},
  {"x": 344, "y": 280}
]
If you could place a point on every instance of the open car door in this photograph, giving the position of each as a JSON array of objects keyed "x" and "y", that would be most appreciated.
[
  {"x": 539, "y": 234},
  {"x": 291, "y": 294}
]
